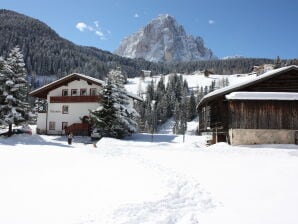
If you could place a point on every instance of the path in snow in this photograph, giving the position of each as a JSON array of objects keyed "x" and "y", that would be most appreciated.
[
  {"x": 44, "y": 180},
  {"x": 184, "y": 201},
  {"x": 167, "y": 127}
]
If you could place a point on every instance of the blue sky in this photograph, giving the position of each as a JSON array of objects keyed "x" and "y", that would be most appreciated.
[{"x": 255, "y": 28}]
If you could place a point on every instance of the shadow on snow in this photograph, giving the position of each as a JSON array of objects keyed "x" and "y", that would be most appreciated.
[
  {"x": 24, "y": 139},
  {"x": 144, "y": 137}
]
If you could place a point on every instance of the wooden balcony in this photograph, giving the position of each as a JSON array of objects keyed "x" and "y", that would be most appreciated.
[{"x": 73, "y": 99}]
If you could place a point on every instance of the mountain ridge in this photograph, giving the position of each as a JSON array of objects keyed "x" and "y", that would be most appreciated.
[{"x": 164, "y": 40}]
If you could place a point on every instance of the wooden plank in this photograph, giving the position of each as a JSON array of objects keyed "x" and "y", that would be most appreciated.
[{"x": 263, "y": 114}]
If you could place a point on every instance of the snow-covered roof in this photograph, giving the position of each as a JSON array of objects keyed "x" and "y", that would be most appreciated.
[
  {"x": 42, "y": 91},
  {"x": 247, "y": 83},
  {"x": 262, "y": 96}
]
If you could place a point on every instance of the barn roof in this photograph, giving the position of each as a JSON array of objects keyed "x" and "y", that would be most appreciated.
[
  {"x": 226, "y": 90},
  {"x": 43, "y": 91},
  {"x": 262, "y": 96}
]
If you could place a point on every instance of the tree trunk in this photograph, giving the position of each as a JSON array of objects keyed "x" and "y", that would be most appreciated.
[{"x": 10, "y": 130}]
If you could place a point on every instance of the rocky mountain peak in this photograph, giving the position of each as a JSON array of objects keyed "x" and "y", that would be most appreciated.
[{"x": 164, "y": 40}]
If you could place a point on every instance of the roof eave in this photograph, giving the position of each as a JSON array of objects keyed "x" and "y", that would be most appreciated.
[
  {"x": 43, "y": 91},
  {"x": 207, "y": 99}
]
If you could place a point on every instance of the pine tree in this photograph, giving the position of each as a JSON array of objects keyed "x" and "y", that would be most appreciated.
[
  {"x": 192, "y": 105},
  {"x": 105, "y": 117},
  {"x": 140, "y": 107},
  {"x": 115, "y": 117},
  {"x": 176, "y": 118},
  {"x": 160, "y": 89},
  {"x": 14, "y": 107},
  {"x": 126, "y": 112},
  {"x": 277, "y": 63}
]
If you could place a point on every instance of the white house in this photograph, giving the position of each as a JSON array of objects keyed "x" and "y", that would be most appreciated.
[{"x": 68, "y": 101}]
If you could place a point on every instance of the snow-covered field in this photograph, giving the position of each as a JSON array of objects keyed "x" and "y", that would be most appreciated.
[
  {"x": 140, "y": 181},
  {"x": 137, "y": 85},
  {"x": 135, "y": 181}
]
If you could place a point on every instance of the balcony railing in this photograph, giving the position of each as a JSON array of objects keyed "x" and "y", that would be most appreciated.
[{"x": 73, "y": 99}]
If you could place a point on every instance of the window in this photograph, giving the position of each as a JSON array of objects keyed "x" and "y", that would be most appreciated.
[
  {"x": 65, "y": 109},
  {"x": 64, "y": 125},
  {"x": 51, "y": 125},
  {"x": 83, "y": 92},
  {"x": 92, "y": 92},
  {"x": 74, "y": 92},
  {"x": 64, "y": 92}
]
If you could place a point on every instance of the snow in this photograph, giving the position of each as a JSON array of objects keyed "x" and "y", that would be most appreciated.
[
  {"x": 252, "y": 79},
  {"x": 145, "y": 180},
  {"x": 196, "y": 80},
  {"x": 137, "y": 180},
  {"x": 9, "y": 83},
  {"x": 262, "y": 96}
]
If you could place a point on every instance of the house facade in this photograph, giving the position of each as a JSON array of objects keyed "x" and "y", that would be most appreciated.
[
  {"x": 262, "y": 110},
  {"x": 68, "y": 101}
]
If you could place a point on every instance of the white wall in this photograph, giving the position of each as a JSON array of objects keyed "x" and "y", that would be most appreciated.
[
  {"x": 76, "y": 110},
  {"x": 41, "y": 121}
]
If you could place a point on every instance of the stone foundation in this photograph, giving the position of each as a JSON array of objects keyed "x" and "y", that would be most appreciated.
[{"x": 262, "y": 136}]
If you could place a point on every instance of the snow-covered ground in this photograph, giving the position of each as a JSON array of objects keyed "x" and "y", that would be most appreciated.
[
  {"x": 136, "y": 181},
  {"x": 142, "y": 180},
  {"x": 137, "y": 85}
]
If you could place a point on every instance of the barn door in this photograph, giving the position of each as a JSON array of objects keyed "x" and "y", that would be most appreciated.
[{"x": 296, "y": 137}]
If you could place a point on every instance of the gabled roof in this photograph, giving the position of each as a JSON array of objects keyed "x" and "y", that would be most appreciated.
[
  {"x": 42, "y": 92},
  {"x": 253, "y": 81}
]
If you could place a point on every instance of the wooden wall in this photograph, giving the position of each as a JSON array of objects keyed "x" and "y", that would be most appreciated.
[
  {"x": 286, "y": 82},
  {"x": 256, "y": 114},
  {"x": 217, "y": 115}
]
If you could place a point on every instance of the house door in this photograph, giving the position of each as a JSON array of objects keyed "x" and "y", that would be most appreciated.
[{"x": 64, "y": 126}]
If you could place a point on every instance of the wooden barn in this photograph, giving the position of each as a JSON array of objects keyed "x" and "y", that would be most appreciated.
[{"x": 263, "y": 110}]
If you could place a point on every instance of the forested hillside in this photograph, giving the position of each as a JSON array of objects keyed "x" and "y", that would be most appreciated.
[{"x": 46, "y": 53}]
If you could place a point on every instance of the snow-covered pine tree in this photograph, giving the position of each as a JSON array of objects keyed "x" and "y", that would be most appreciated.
[
  {"x": 14, "y": 108},
  {"x": 192, "y": 107},
  {"x": 4, "y": 72},
  {"x": 105, "y": 117},
  {"x": 126, "y": 113},
  {"x": 180, "y": 114},
  {"x": 140, "y": 107},
  {"x": 115, "y": 116}
]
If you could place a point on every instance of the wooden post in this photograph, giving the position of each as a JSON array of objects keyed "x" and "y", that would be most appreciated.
[{"x": 216, "y": 135}]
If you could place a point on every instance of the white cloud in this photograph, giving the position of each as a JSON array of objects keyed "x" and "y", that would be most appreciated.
[
  {"x": 96, "y": 23},
  {"x": 81, "y": 26},
  {"x": 99, "y": 33},
  {"x": 211, "y": 22},
  {"x": 96, "y": 29},
  {"x": 136, "y": 15}
]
